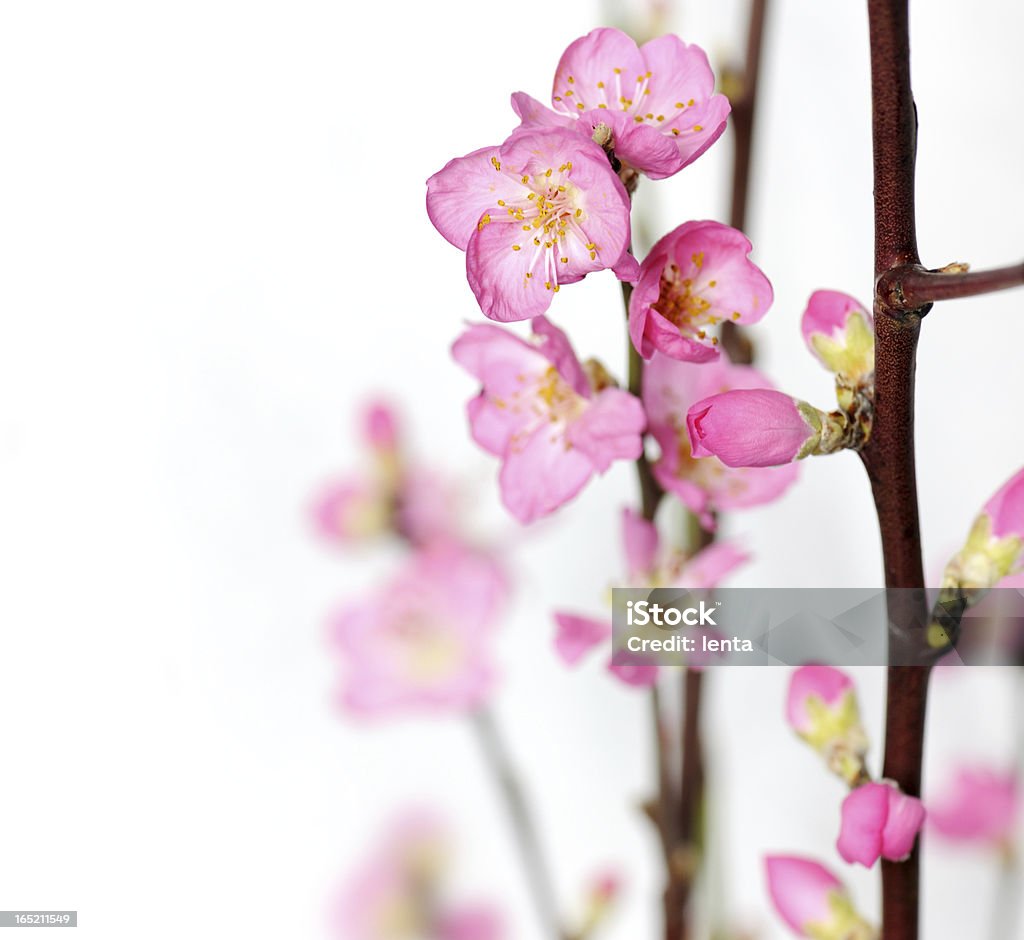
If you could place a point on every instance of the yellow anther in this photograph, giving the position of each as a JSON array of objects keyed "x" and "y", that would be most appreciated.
[
  {"x": 602, "y": 106},
  {"x": 568, "y": 93},
  {"x": 698, "y": 127},
  {"x": 591, "y": 246},
  {"x": 579, "y": 212},
  {"x": 698, "y": 258},
  {"x": 527, "y": 228},
  {"x": 484, "y": 221},
  {"x": 735, "y": 314},
  {"x": 712, "y": 283},
  {"x": 501, "y": 202},
  {"x": 649, "y": 116},
  {"x": 675, "y": 131},
  {"x": 600, "y": 84},
  {"x": 547, "y": 172},
  {"x": 579, "y": 105},
  {"x": 661, "y": 117},
  {"x": 528, "y": 274},
  {"x": 593, "y": 256},
  {"x": 638, "y": 119},
  {"x": 516, "y": 247},
  {"x": 556, "y": 288},
  {"x": 572, "y": 81},
  {"x": 679, "y": 104},
  {"x": 689, "y": 103},
  {"x": 496, "y": 163},
  {"x": 558, "y": 98},
  {"x": 564, "y": 260},
  {"x": 617, "y": 71},
  {"x": 714, "y": 340},
  {"x": 547, "y": 284}
]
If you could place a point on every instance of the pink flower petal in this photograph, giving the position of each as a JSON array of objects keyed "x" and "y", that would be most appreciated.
[
  {"x": 497, "y": 264},
  {"x": 979, "y": 804},
  {"x": 801, "y": 889},
  {"x": 640, "y": 538},
  {"x": 748, "y": 428},
  {"x": 540, "y": 474},
  {"x": 534, "y": 114},
  {"x": 586, "y": 78},
  {"x": 878, "y": 821},
  {"x": 1006, "y": 508},
  {"x": 826, "y": 314},
  {"x": 711, "y": 565},
  {"x": 826, "y": 683},
  {"x": 610, "y": 429},
  {"x": 638, "y": 673},
  {"x": 576, "y": 636}
]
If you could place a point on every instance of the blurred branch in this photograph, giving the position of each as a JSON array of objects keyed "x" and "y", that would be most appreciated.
[
  {"x": 742, "y": 84},
  {"x": 535, "y": 867}
]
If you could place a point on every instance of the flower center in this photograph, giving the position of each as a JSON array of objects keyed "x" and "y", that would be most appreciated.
[
  {"x": 548, "y": 219},
  {"x": 682, "y": 299}
]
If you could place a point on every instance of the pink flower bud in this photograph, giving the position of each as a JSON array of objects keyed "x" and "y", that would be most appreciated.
[
  {"x": 812, "y": 900},
  {"x": 879, "y": 820},
  {"x": 995, "y": 546},
  {"x": 839, "y": 331},
  {"x": 380, "y": 427},
  {"x": 821, "y": 707},
  {"x": 752, "y": 428},
  {"x": 979, "y": 805}
]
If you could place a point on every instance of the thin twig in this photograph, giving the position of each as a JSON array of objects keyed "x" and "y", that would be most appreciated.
[{"x": 535, "y": 866}]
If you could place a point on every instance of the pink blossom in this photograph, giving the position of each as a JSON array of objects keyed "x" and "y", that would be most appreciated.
[
  {"x": 813, "y": 901},
  {"x": 840, "y": 332},
  {"x": 879, "y": 820},
  {"x": 995, "y": 545},
  {"x": 978, "y": 805},
  {"x": 393, "y": 494},
  {"x": 423, "y": 640},
  {"x": 540, "y": 413},
  {"x": 397, "y": 892},
  {"x": 657, "y": 101},
  {"x": 383, "y": 897},
  {"x": 821, "y": 707},
  {"x": 694, "y": 278},
  {"x": 704, "y": 485},
  {"x": 542, "y": 210},
  {"x": 752, "y": 428},
  {"x": 814, "y": 687},
  {"x": 649, "y": 565}
]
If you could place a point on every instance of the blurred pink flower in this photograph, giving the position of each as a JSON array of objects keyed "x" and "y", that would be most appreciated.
[
  {"x": 423, "y": 640},
  {"x": 543, "y": 209},
  {"x": 540, "y": 413},
  {"x": 393, "y": 495},
  {"x": 648, "y": 566},
  {"x": 879, "y": 821},
  {"x": 752, "y": 428},
  {"x": 978, "y": 805},
  {"x": 657, "y": 101},
  {"x": 813, "y": 901},
  {"x": 397, "y": 893},
  {"x": 696, "y": 276},
  {"x": 705, "y": 485}
]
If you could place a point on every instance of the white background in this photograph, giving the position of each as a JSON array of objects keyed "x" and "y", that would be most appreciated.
[{"x": 212, "y": 247}]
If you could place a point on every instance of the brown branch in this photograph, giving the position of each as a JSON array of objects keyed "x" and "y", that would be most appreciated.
[
  {"x": 889, "y": 454},
  {"x": 912, "y": 287},
  {"x": 744, "y": 108}
]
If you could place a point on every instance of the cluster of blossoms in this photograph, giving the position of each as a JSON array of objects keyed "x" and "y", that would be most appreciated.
[
  {"x": 422, "y": 640},
  {"x": 551, "y": 205},
  {"x": 877, "y": 820}
]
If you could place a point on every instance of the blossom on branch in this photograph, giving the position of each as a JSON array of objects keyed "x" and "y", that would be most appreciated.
[
  {"x": 840, "y": 333},
  {"x": 694, "y": 278},
  {"x": 657, "y": 101},
  {"x": 423, "y": 640},
  {"x": 553, "y": 423},
  {"x": 542, "y": 210},
  {"x": 821, "y": 707},
  {"x": 705, "y": 485},
  {"x": 879, "y": 821},
  {"x": 813, "y": 901},
  {"x": 760, "y": 427},
  {"x": 978, "y": 805}
]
